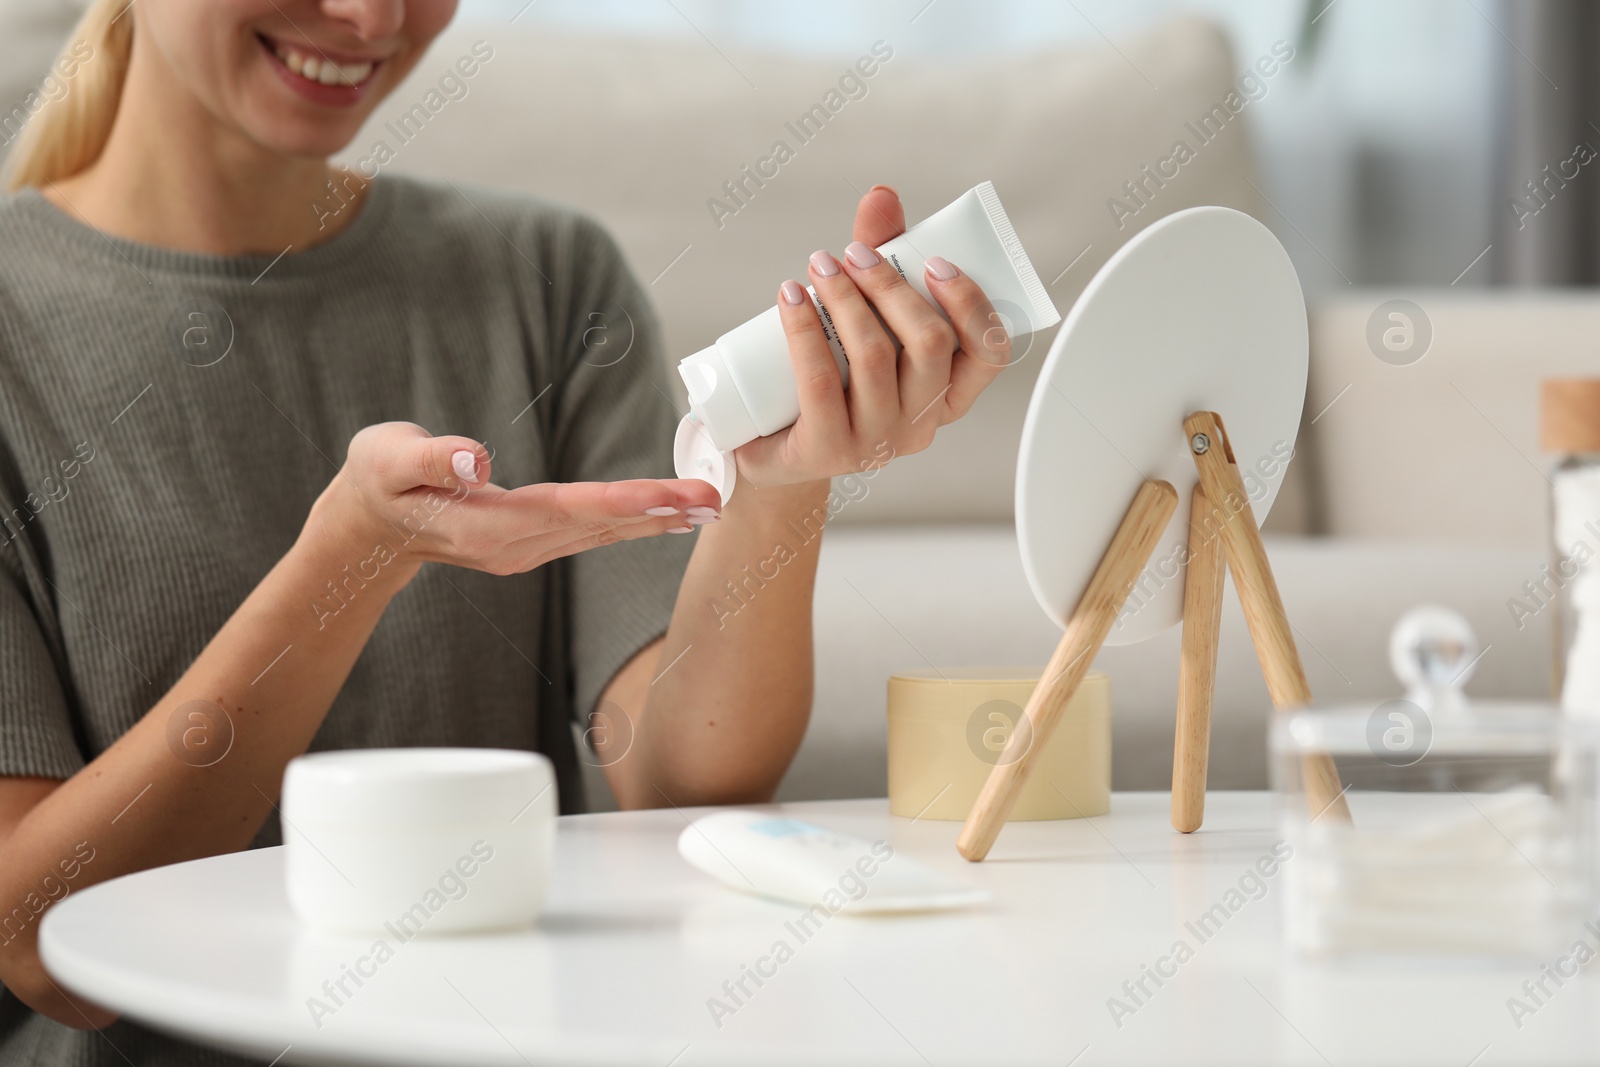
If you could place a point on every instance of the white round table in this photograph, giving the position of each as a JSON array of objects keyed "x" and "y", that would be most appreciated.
[{"x": 635, "y": 943}]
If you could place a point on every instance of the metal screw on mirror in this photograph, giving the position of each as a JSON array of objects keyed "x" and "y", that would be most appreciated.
[{"x": 1200, "y": 444}]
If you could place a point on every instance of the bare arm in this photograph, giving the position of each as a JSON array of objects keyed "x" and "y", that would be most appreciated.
[
  {"x": 142, "y": 803},
  {"x": 721, "y": 704},
  {"x": 727, "y": 739},
  {"x": 174, "y": 810}
]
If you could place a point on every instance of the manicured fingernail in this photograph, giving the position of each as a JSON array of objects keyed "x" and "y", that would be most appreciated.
[
  {"x": 860, "y": 256},
  {"x": 941, "y": 268},
  {"x": 664, "y": 509},
  {"x": 695, "y": 520},
  {"x": 825, "y": 265},
  {"x": 792, "y": 293},
  {"x": 680, "y": 529},
  {"x": 701, "y": 512},
  {"x": 466, "y": 465}
]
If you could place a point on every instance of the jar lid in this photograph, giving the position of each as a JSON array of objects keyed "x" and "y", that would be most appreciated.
[
  {"x": 985, "y": 675},
  {"x": 403, "y": 788},
  {"x": 1483, "y": 728},
  {"x": 1569, "y": 415}
]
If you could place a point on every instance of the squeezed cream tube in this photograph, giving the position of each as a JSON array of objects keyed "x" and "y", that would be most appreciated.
[{"x": 743, "y": 386}]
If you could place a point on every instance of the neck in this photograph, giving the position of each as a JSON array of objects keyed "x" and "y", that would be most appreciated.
[{"x": 172, "y": 175}]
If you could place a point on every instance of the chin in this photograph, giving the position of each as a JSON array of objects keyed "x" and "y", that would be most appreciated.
[
  {"x": 318, "y": 142},
  {"x": 295, "y": 136}
]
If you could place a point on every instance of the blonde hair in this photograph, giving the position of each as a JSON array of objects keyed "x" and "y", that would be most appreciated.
[{"x": 67, "y": 133}]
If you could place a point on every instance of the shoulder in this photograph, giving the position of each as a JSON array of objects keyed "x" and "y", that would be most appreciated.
[
  {"x": 16, "y": 207},
  {"x": 36, "y": 262},
  {"x": 25, "y": 223}
]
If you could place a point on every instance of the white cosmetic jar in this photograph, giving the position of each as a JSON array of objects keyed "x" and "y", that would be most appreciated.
[{"x": 416, "y": 841}]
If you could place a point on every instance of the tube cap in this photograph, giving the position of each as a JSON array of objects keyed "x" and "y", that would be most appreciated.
[
  {"x": 715, "y": 400},
  {"x": 694, "y": 455}
]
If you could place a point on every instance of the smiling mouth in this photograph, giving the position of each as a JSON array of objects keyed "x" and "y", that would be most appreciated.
[{"x": 315, "y": 67}]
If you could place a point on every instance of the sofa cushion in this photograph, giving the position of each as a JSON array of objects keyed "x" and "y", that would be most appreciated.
[{"x": 1444, "y": 449}]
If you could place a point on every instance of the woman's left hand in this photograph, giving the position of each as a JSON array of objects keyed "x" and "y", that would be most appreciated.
[{"x": 897, "y": 396}]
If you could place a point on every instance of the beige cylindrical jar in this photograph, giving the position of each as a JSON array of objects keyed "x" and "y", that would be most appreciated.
[{"x": 948, "y": 729}]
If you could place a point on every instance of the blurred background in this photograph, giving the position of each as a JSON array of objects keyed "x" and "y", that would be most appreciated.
[
  {"x": 1389, "y": 151},
  {"x": 1379, "y": 147},
  {"x": 1436, "y": 153}
]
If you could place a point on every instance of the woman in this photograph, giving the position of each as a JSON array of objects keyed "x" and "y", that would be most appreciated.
[{"x": 193, "y": 591}]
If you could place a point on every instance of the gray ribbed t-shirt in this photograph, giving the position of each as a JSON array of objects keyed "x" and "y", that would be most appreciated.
[{"x": 167, "y": 420}]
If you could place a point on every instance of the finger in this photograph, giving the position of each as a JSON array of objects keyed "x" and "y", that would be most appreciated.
[
  {"x": 824, "y": 411},
  {"x": 408, "y": 460},
  {"x": 822, "y": 396},
  {"x": 590, "y": 502},
  {"x": 693, "y": 497},
  {"x": 879, "y": 217},
  {"x": 549, "y": 507},
  {"x": 985, "y": 346},
  {"x": 530, "y": 551},
  {"x": 874, "y": 395},
  {"x": 928, "y": 340},
  {"x": 400, "y": 456}
]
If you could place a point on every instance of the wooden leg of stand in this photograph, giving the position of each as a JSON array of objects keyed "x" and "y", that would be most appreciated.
[
  {"x": 1258, "y": 595},
  {"x": 1090, "y": 622},
  {"x": 1197, "y": 668}
]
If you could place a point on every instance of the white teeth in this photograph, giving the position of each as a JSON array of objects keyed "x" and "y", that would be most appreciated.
[{"x": 322, "y": 71}]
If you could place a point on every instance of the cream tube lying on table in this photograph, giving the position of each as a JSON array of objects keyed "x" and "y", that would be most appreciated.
[
  {"x": 785, "y": 859},
  {"x": 743, "y": 387}
]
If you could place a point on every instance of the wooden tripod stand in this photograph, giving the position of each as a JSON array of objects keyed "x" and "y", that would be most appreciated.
[{"x": 1222, "y": 528}]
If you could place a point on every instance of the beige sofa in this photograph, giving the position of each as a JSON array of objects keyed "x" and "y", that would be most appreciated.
[{"x": 1425, "y": 476}]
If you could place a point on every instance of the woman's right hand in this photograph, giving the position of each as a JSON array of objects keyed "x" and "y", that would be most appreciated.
[{"x": 429, "y": 499}]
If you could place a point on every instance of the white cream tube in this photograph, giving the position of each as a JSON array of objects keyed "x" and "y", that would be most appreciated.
[
  {"x": 785, "y": 859},
  {"x": 743, "y": 386}
]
